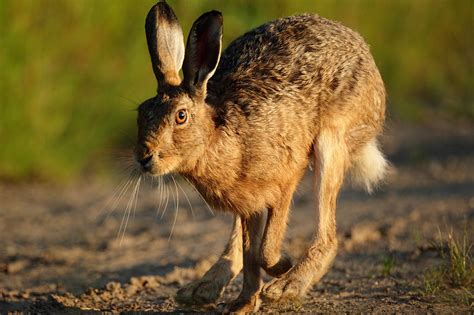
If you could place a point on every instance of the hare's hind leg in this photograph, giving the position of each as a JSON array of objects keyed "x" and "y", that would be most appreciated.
[
  {"x": 331, "y": 160},
  {"x": 210, "y": 287}
]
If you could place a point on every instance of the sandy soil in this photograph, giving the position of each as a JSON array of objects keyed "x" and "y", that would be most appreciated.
[{"x": 59, "y": 250}]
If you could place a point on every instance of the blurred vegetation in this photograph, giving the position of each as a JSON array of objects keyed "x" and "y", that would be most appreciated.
[
  {"x": 452, "y": 281},
  {"x": 73, "y": 71}
]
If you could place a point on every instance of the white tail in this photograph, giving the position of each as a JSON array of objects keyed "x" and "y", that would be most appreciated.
[{"x": 369, "y": 166}]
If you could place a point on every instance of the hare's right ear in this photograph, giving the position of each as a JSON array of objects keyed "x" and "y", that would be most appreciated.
[
  {"x": 165, "y": 44},
  {"x": 203, "y": 50}
]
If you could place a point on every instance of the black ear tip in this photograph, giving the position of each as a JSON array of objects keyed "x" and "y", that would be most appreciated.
[
  {"x": 216, "y": 13},
  {"x": 212, "y": 16},
  {"x": 163, "y": 10},
  {"x": 219, "y": 16},
  {"x": 160, "y": 12},
  {"x": 162, "y": 5}
]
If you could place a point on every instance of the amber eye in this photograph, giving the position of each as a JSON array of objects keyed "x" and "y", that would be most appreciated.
[{"x": 181, "y": 116}]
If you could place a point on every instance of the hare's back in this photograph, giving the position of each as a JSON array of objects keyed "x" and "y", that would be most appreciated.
[{"x": 290, "y": 57}]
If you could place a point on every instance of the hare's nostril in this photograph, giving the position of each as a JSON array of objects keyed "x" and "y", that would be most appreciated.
[{"x": 146, "y": 163}]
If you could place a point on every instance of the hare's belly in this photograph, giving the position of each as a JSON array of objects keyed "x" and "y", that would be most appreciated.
[{"x": 249, "y": 195}]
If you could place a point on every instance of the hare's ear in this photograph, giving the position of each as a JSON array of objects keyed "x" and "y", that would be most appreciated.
[
  {"x": 203, "y": 50},
  {"x": 165, "y": 44}
]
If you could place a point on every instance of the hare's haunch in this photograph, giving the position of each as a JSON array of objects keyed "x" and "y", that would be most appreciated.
[{"x": 243, "y": 127}]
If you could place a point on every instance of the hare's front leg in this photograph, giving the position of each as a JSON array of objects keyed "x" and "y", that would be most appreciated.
[
  {"x": 248, "y": 300},
  {"x": 330, "y": 161},
  {"x": 210, "y": 287},
  {"x": 271, "y": 260}
]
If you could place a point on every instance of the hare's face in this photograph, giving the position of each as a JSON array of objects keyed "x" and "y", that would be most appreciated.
[
  {"x": 174, "y": 126},
  {"x": 171, "y": 133}
]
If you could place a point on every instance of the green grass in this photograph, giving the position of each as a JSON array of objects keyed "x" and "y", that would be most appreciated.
[
  {"x": 388, "y": 265},
  {"x": 71, "y": 72},
  {"x": 452, "y": 280}
]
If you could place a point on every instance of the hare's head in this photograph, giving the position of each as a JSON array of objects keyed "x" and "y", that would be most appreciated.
[{"x": 175, "y": 125}]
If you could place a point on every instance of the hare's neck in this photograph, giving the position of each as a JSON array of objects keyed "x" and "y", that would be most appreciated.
[{"x": 220, "y": 166}]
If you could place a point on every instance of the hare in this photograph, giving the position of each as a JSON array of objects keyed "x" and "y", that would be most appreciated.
[{"x": 243, "y": 128}]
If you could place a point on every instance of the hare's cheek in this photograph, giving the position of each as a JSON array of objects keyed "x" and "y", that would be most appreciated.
[{"x": 178, "y": 137}]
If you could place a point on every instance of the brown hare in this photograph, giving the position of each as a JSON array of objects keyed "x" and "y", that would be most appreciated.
[{"x": 243, "y": 127}]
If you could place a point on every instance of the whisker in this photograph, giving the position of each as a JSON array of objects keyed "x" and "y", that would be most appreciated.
[
  {"x": 177, "y": 209},
  {"x": 128, "y": 209},
  {"x": 123, "y": 218},
  {"x": 164, "y": 193},
  {"x": 136, "y": 198},
  {"x": 172, "y": 193},
  {"x": 177, "y": 192},
  {"x": 132, "y": 199},
  {"x": 136, "y": 103},
  {"x": 116, "y": 190},
  {"x": 121, "y": 194},
  {"x": 186, "y": 196},
  {"x": 160, "y": 197},
  {"x": 174, "y": 223},
  {"x": 200, "y": 195},
  {"x": 155, "y": 185},
  {"x": 152, "y": 180},
  {"x": 167, "y": 194}
]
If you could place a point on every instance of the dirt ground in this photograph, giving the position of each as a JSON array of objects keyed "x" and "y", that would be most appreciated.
[{"x": 59, "y": 250}]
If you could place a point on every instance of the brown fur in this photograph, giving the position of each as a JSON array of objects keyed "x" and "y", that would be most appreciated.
[{"x": 294, "y": 89}]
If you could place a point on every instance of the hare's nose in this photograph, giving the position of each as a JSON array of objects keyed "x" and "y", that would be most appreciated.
[{"x": 146, "y": 163}]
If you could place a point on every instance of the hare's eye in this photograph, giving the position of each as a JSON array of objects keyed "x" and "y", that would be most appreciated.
[{"x": 181, "y": 116}]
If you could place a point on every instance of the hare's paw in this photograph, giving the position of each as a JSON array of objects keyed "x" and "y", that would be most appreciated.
[
  {"x": 202, "y": 291},
  {"x": 210, "y": 287},
  {"x": 288, "y": 287},
  {"x": 244, "y": 305}
]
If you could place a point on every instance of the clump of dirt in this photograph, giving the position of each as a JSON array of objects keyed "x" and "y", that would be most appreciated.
[{"x": 140, "y": 294}]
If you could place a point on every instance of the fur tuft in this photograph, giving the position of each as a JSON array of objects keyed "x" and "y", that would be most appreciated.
[{"x": 369, "y": 167}]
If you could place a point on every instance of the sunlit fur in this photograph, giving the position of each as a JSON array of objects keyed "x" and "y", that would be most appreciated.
[{"x": 175, "y": 147}]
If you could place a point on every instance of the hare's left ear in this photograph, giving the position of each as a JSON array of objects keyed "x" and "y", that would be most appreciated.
[
  {"x": 203, "y": 50},
  {"x": 165, "y": 44}
]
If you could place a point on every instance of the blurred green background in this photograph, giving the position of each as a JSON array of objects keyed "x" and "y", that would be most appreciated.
[{"x": 73, "y": 71}]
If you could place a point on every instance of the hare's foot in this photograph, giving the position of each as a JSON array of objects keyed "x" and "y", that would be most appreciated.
[
  {"x": 244, "y": 304},
  {"x": 294, "y": 284},
  {"x": 289, "y": 287},
  {"x": 203, "y": 291},
  {"x": 210, "y": 287}
]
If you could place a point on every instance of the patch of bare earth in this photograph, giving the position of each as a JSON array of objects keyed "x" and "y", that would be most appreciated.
[{"x": 59, "y": 249}]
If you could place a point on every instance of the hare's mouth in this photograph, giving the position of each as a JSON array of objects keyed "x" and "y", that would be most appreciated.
[
  {"x": 151, "y": 166},
  {"x": 148, "y": 165}
]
